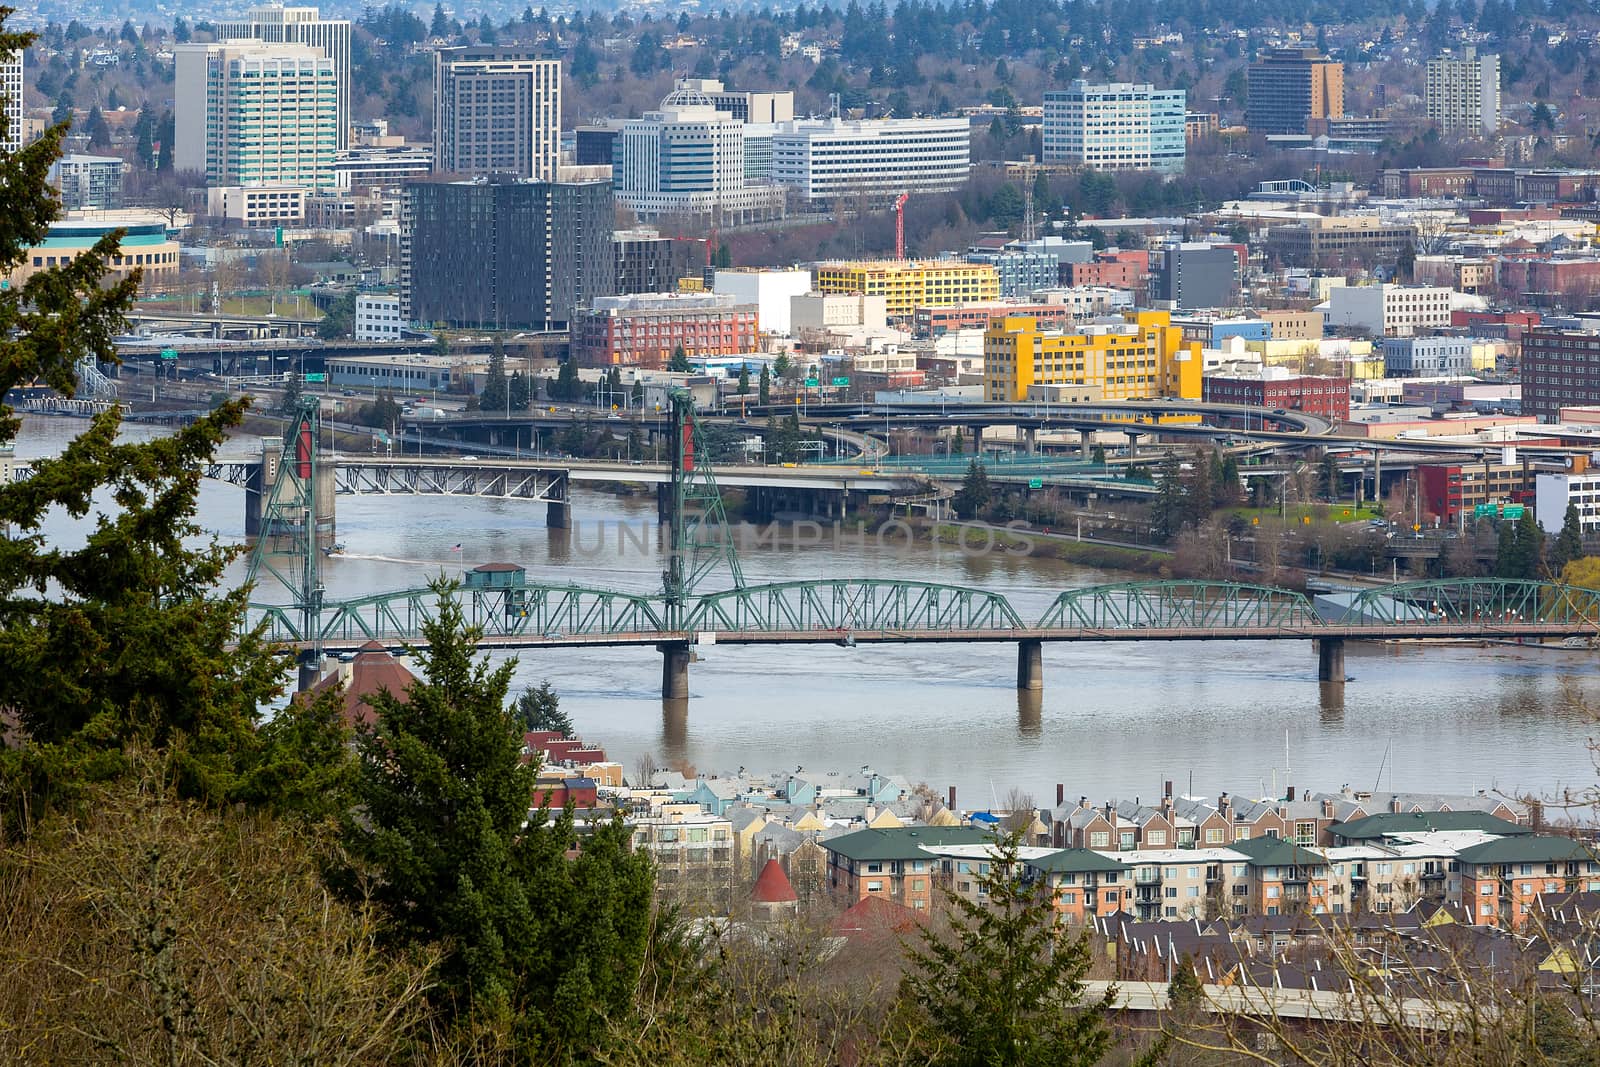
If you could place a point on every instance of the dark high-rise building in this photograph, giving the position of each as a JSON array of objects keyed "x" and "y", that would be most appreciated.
[
  {"x": 596, "y": 145},
  {"x": 1289, "y": 86},
  {"x": 648, "y": 262},
  {"x": 1195, "y": 276},
  {"x": 1560, "y": 369},
  {"x": 507, "y": 254}
]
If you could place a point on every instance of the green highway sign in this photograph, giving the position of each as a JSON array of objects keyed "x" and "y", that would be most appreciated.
[
  {"x": 169, "y": 353},
  {"x": 841, "y": 381},
  {"x": 812, "y": 383},
  {"x": 310, "y": 378},
  {"x": 1512, "y": 511},
  {"x": 1035, "y": 483}
]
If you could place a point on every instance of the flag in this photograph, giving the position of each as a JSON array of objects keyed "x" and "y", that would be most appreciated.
[{"x": 456, "y": 547}]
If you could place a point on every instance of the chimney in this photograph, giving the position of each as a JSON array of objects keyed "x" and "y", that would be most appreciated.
[
  {"x": 1083, "y": 802},
  {"x": 1167, "y": 785},
  {"x": 1536, "y": 815},
  {"x": 1291, "y": 794},
  {"x": 1394, "y": 805},
  {"x": 952, "y": 798},
  {"x": 1327, "y": 809},
  {"x": 1061, "y": 793}
]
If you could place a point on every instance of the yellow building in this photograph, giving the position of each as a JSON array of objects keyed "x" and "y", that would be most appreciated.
[
  {"x": 1142, "y": 358},
  {"x": 908, "y": 285}
]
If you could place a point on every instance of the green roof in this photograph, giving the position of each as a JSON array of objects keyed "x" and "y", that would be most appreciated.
[
  {"x": 903, "y": 842},
  {"x": 1526, "y": 849},
  {"x": 1387, "y": 823},
  {"x": 1076, "y": 861},
  {"x": 1276, "y": 852}
]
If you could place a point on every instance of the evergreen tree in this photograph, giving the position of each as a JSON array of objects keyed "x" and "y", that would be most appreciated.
[
  {"x": 95, "y": 126},
  {"x": 540, "y": 709},
  {"x": 1097, "y": 455},
  {"x": 1005, "y": 985},
  {"x": 292, "y": 394},
  {"x": 1530, "y": 546},
  {"x": 744, "y": 378},
  {"x": 144, "y": 139},
  {"x": 567, "y": 386},
  {"x": 975, "y": 493},
  {"x": 679, "y": 363},
  {"x": 637, "y": 395},
  {"x": 124, "y": 639},
  {"x": 496, "y": 395},
  {"x": 1507, "y": 556},
  {"x": 534, "y": 944},
  {"x": 1569, "y": 543},
  {"x": 339, "y": 321},
  {"x": 521, "y": 397},
  {"x": 765, "y": 386},
  {"x": 165, "y": 132},
  {"x": 1167, "y": 512},
  {"x": 440, "y": 26}
]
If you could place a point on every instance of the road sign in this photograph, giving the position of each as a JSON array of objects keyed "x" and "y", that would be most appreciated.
[
  {"x": 841, "y": 381},
  {"x": 169, "y": 353},
  {"x": 812, "y": 383},
  {"x": 1512, "y": 511},
  {"x": 1482, "y": 510},
  {"x": 314, "y": 378},
  {"x": 1035, "y": 483}
]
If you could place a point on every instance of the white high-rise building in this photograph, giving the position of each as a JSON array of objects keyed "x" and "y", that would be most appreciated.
[
  {"x": 11, "y": 91},
  {"x": 1120, "y": 126},
  {"x": 1463, "y": 93},
  {"x": 277, "y": 24},
  {"x": 687, "y": 158},
  {"x": 496, "y": 111},
  {"x": 250, "y": 113},
  {"x": 840, "y": 159}
]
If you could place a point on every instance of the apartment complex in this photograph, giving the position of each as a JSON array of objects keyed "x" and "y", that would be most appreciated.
[
  {"x": 1291, "y": 87},
  {"x": 686, "y": 159},
  {"x": 505, "y": 255},
  {"x": 1560, "y": 368},
  {"x": 88, "y": 182},
  {"x": 908, "y": 285},
  {"x": 1144, "y": 356},
  {"x": 278, "y": 24},
  {"x": 833, "y": 160},
  {"x": 496, "y": 111},
  {"x": 1462, "y": 93},
  {"x": 650, "y": 262},
  {"x": 1118, "y": 126},
  {"x": 894, "y": 864},
  {"x": 11, "y": 94},
  {"x": 1389, "y": 310},
  {"x": 644, "y": 329},
  {"x": 249, "y": 113},
  {"x": 378, "y": 317},
  {"x": 1334, "y": 240}
]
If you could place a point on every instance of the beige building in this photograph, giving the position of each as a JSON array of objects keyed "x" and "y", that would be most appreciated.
[
  {"x": 1294, "y": 325},
  {"x": 693, "y": 854},
  {"x": 1324, "y": 241},
  {"x": 146, "y": 247},
  {"x": 1390, "y": 310},
  {"x": 1462, "y": 93},
  {"x": 824, "y": 311}
]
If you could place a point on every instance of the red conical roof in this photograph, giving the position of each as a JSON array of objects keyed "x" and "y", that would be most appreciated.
[{"x": 773, "y": 887}]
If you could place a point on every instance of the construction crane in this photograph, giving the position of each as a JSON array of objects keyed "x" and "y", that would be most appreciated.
[{"x": 900, "y": 225}]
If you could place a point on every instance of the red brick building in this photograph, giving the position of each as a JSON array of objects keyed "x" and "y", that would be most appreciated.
[
  {"x": 937, "y": 321},
  {"x": 645, "y": 329},
  {"x": 1312, "y": 394},
  {"x": 1122, "y": 269}
]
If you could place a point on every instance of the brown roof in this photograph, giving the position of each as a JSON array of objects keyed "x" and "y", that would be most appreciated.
[{"x": 373, "y": 670}]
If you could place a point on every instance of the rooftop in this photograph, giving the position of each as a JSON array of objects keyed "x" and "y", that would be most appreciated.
[{"x": 904, "y": 842}]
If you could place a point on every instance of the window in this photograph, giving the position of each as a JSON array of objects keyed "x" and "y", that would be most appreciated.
[
  {"x": 1155, "y": 838},
  {"x": 875, "y": 887},
  {"x": 1099, "y": 839}
]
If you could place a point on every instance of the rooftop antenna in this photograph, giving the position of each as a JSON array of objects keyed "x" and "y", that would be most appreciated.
[{"x": 833, "y": 105}]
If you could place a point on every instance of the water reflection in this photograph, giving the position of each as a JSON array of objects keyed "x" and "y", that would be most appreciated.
[{"x": 1030, "y": 714}]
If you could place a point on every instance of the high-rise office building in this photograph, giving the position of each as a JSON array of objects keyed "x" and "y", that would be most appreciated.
[
  {"x": 11, "y": 101},
  {"x": 1290, "y": 86},
  {"x": 1116, "y": 127},
  {"x": 1463, "y": 93},
  {"x": 277, "y": 24},
  {"x": 1194, "y": 275},
  {"x": 832, "y": 160},
  {"x": 251, "y": 113},
  {"x": 496, "y": 111},
  {"x": 686, "y": 158},
  {"x": 505, "y": 254}
]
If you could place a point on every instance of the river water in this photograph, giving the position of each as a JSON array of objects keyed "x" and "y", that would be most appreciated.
[{"x": 1114, "y": 720}]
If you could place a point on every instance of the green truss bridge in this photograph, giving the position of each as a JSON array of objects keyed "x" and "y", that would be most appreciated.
[{"x": 513, "y": 612}]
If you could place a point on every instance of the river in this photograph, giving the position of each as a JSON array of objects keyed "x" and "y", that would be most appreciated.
[{"x": 1114, "y": 720}]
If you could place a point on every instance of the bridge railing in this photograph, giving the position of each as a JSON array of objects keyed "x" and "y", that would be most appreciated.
[
  {"x": 1486, "y": 602},
  {"x": 1179, "y": 604},
  {"x": 847, "y": 604}
]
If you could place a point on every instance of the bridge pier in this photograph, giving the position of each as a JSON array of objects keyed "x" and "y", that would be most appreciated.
[
  {"x": 1330, "y": 660},
  {"x": 674, "y": 670},
  {"x": 1030, "y": 440},
  {"x": 664, "y": 503},
  {"x": 310, "y": 670},
  {"x": 1030, "y": 664},
  {"x": 556, "y": 515},
  {"x": 1085, "y": 444}
]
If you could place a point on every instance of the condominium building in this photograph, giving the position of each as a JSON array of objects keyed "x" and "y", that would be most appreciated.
[
  {"x": 505, "y": 255},
  {"x": 250, "y": 113},
  {"x": 496, "y": 111},
  {"x": 378, "y": 317},
  {"x": 651, "y": 262},
  {"x": 278, "y": 24},
  {"x": 11, "y": 100},
  {"x": 910, "y": 284},
  {"x": 1463, "y": 93},
  {"x": 833, "y": 160},
  {"x": 1560, "y": 369},
  {"x": 1143, "y": 356},
  {"x": 1020, "y": 271},
  {"x": 1291, "y": 86},
  {"x": 1120, "y": 126},
  {"x": 1389, "y": 310},
  {"x": 88, "y": 182},
  {"x": 686, "y": 159},
  {"x": 643, "y": 330}
]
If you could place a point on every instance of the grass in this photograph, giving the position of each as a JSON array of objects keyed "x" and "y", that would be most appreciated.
[{"x": 1317, "y": 513}]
